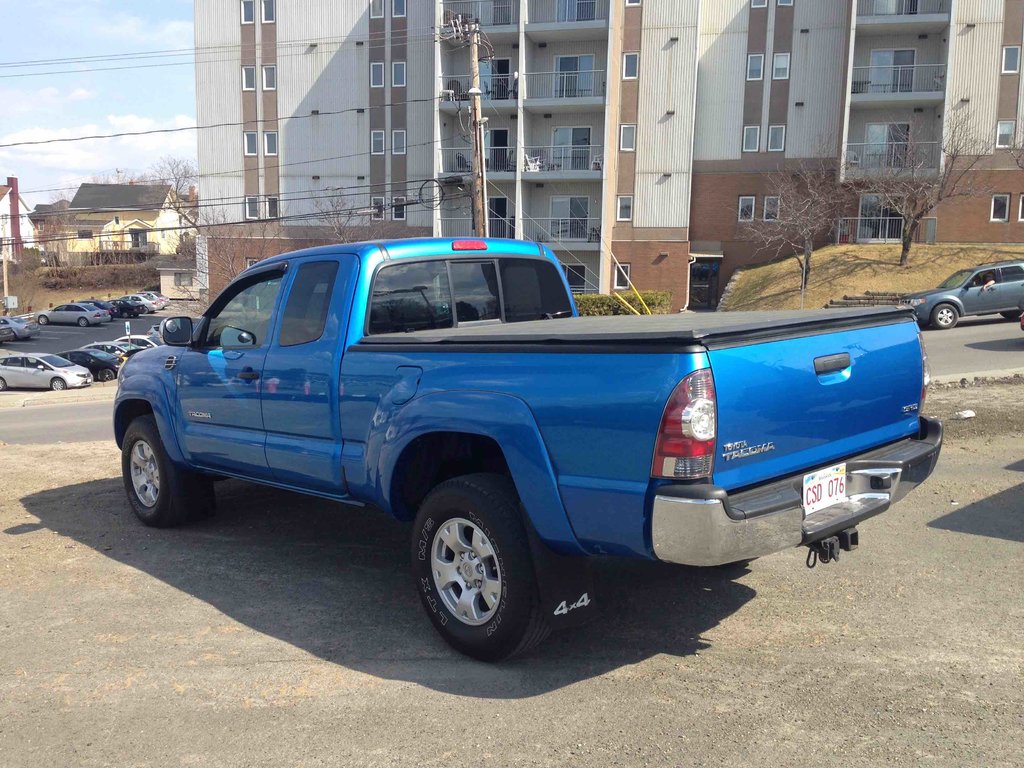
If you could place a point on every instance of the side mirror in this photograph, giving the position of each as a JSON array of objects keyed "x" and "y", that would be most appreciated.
[{"x": 176, "y": 331}]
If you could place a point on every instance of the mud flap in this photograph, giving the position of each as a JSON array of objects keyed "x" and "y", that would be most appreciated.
[{"x": 565, "y": 582}]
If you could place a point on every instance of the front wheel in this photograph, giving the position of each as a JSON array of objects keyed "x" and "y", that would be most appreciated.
[
  {"x": 3, "y": 384},
  {"x": 43, "y": 320},
  {"x": 106, "y": 375},
  {"x": 82, "y": 322},
  {"x": 57, "y": 384},
  {"x": 1011, "y": 315},
  {"x": 945, "y": 316},
  {"x": 473, "y": 568}
]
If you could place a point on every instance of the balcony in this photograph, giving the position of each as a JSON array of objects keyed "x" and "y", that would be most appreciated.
[
  {"x": 891, "y": 86},
  {"x": 577, "y": 232},
  {"x": 887, "y": 17},
  {"x": 567, "y": 19},
  {"x": 564, "y": 162},
  {"x": 500, "y": 92},
  {"x": 498, "y": 18},
  {"x": 892, "y": 159},
  {"x": 875, "y": 229},
  {"x": 463, "y": 227},
  {"x": 561, "y": 91}
]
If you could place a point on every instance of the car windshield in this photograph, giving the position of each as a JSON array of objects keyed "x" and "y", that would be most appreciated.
[
  {"x": 105, "y": 357},
  {"x": 56, "y": 362},
  {"x": 956, "y": 279}
]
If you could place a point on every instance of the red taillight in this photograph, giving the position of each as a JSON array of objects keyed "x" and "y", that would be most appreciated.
[
  {"x": 685, "y": 449},
  {"x": 469, "y": 245}
]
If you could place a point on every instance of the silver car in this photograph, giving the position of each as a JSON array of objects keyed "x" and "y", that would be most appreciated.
[
  {"x": 159, "y": 301},
  {"x": 42, "y": 372},
  {"x": 72, "y": 314},
  {"x": 23, "y": 329}
]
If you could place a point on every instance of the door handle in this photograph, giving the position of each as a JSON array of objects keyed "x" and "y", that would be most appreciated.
[
  {"x": 248, "y": 374},
  {"x": 831, "y": 363}
]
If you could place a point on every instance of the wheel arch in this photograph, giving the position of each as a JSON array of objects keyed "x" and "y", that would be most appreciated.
[{"x": 139, "y": 398}]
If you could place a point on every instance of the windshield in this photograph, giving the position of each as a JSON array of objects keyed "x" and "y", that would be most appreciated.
[
  {"x": 106, "y": 357},
  {"x": 956, "y": 279},
  {"x": 56, "y": 362}
]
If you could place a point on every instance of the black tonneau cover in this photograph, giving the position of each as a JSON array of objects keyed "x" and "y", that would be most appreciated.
[{"x": 706, "y": 329}]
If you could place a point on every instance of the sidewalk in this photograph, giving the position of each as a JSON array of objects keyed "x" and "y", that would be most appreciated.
[{"x": 24, "y": 398}]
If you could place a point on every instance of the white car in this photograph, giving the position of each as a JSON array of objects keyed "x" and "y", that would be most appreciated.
[
  {"x": 74, "y": 314},
  {"x": 146, "y": 342},
  {"x": 42, "y": 372}
]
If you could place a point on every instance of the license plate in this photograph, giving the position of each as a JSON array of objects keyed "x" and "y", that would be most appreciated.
[{"x": 824, "y": 488}]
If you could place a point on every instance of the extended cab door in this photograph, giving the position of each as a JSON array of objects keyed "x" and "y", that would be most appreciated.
[
  {"x": 220, "y": 378},
  {"x": 301, "y": 377}
]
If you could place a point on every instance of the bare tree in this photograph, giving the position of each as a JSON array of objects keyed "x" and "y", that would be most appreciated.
[
  {"x": 801, "y": 206},
  {"x": 913, "y": 177},
  {"x": 182, "y": 175},
  {"x": 345, "y": 223}
]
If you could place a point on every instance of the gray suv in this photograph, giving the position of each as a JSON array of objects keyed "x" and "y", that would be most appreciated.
[{"x": 985, "y": 290}]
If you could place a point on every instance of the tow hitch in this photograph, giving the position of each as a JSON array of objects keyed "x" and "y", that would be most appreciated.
[{"x": 827, "y": 550}]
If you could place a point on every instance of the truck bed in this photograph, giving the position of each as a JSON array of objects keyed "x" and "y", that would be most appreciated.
[{"x": 696, "y": 329}]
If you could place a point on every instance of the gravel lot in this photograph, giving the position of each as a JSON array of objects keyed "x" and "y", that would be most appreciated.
[{"x": 286, "y": 631}]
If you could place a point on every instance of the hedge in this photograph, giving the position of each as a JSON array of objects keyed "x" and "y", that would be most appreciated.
[
  {"x": 119, "y": 277},
  {"x": 659, "y": 302}
]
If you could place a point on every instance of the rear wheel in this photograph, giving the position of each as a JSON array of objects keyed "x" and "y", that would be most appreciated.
[
  {"x": 473, "y": 568},
  {"x": 945, "y": 316},
  {"x": 3, "y": 384},
  {"x": 105, "y": 375},
  {"x": 58, "y": 384},
  {"x": 42, "y": 320},
  {"x": 83, "y": 322},
  {"x": 160, "y": 494},
  {"x": 1011, "y": 315}
]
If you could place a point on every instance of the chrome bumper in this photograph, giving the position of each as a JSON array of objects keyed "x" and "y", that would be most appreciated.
[{"x": 704, "y": 525}]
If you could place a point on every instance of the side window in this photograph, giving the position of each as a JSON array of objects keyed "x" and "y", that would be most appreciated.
[
  {"x": 62, "y": 308},
  {"x": 411, "y": 297},
  {"x": 11, "y": 362},
  {"x": 1012, "y": 274},
  {"x": 475, "y": 285},
  {"x": 984, "y": 278},
  {"x": 532, "y": 289},
  {"x": 244, "y": 320},
  {"x": 305, "y": 314}
]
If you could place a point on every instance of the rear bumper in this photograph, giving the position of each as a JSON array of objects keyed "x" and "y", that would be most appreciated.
[{"x": 704, "y": 525}]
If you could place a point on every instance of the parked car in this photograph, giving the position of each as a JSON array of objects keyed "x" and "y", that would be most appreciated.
[
  {"x": 451, "y": 383},
  {"x": 102, "y": 365},
  {"x": 121, "y": 351},
  {"x": 6, "y": 334},
  {"x": 146, "y": 342},
  {"x": 158, "y": 301},
  {"x": 22, "y": 328},
  {"x": 73, "y": 314},
  {"x": 127, "y": 309},
  {"x": 141, "y": 300},
  {"x": 989, "y": 289},
  {"x": 42, "y": 372},
  {"x": 96, "y": 305}
]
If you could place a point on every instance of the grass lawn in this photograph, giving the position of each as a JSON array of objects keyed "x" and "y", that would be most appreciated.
[{"x": 853, "y": 269}]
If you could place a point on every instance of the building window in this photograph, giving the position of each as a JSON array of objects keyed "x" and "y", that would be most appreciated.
[
  {"x": 252, "y": 208},
  {"x": 376, "y": 9},
  {"x": 746, "y": 208},
  {"x": 377, "y": 204},
  {"x": 270, "y": 143},
  {"x": 751, "y": 138},
  {"x": 270, "y": 77},
  {"x": 630, "y": 66},
  {"x": 117, "y": 220},
  {"x": 183, "y": 279},
  {"x": 1020, "y": 210},
  {"x": 771, "y": 208},
  {"x": 1011, "y": 59},
  {"x": 755, "y": 66},
  {"x": 780, "y": 66},
  {"x": 398, "y": 141},
  {"x": 269, "y": 11},
  {"x": 398, "y": 208},
  {"x": 1000, "y": 208},
  {"x": 624, "y": 208},
  {"x": 627, "y": 138},
  {"x": 273, "y": 207},
  {"x": 376, "y": 142},
  {"x": 85, "y": 234},
  {"x": 776, "y": 138},
  {"x": 250, "y": 143},
  {"x": 632, "y": 2},
  {"x": 758, "y": 3},
  {"x": 248, "y": 11},
  {"x": 376, "y": 74},
  {"x": 398, "y": 9},
  {"x": 622, "y": 277},
  {"x": 248, "y": 78},
  {"x": 1004, "y": 134},
  {"x": 398, "y": 74},
  {"x": 784, "y": 2}
]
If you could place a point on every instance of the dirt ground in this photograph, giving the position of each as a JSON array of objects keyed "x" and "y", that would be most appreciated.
[{"x": 286, "y": 631}]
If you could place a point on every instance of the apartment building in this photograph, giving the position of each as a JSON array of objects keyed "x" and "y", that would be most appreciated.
[{"x": 634, "y": 137}]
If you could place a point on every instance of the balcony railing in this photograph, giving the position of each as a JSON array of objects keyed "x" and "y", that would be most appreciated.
[
  {"x": 922, "y": 78},
  {"x": 578, "y": 230},
  {"x": 875, "y": 229},
  {"x": 494, "y": 87},
  {"x": 893, "y": 156},
  {"x": 460, "y": 160},
  {"x": 888, "y": 8},
  {"x": 463, "y": 227},
  {"x": 565, "y": 85},
  {"x": 563, "y": 158},
  {"x": 567, "y": 11},
  {"x": 490, "y": 13}
]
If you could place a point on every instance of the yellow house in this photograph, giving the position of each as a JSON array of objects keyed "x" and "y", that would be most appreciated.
[{"x": 131, "y": 219}]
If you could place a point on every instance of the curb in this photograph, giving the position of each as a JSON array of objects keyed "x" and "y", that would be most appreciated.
[
  {"x": 104, "y": 393},
  {"x": 981, "y": 376}
]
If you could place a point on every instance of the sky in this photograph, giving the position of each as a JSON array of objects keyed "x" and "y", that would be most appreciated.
[{"x": 88, "y": 102}]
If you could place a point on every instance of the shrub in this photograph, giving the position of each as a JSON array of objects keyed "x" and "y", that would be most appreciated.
[
  {"x": 117, "y": 277},
  {"x": 659, "y": 302}
]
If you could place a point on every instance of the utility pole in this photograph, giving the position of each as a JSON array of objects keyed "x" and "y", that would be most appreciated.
[{"x": 480, "y": 218}]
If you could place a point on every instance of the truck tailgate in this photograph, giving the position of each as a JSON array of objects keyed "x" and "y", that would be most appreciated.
[{"x": 780, "y": 412}]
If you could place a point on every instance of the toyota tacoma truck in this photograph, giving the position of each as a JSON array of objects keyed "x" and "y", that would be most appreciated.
[{"x": 452, "y": 384}]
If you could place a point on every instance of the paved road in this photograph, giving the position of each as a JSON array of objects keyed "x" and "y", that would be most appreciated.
[
  {"x": 975, "y": 347},
  {"x": 73, "y": 423},
  {"x": 60, "y": 338}
]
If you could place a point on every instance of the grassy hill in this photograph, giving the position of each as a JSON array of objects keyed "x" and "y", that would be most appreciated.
[{"x": 854, "y": 269}]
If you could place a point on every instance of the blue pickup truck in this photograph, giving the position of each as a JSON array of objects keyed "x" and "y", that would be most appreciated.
[{"x": 452, "y": 384}]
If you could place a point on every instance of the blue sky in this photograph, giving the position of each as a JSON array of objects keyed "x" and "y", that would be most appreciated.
[{"x": 86, "y": 102}]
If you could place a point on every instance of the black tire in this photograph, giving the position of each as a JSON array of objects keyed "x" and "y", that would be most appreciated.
[
  {"x": 3, "y": 384},
  {"x": 43, "y": 320},
  {"x": 490, "y": 503},
  {"x": 83, "y": 323},
  {"x": 182, "y": 495},
  {"x": 105, "y": 374},
  {"x": 944, "y": 317},
  {"x": 1011, "y": 315},
  {"x": 58, "y": 384}
]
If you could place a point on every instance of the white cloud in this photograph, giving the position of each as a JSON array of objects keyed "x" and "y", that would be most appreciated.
[{"x": 81, "y": 94}]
